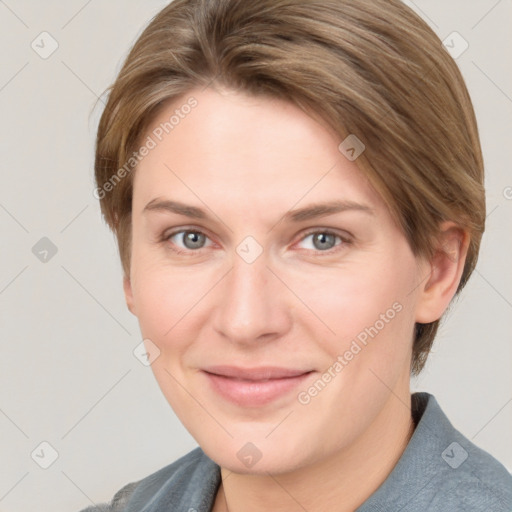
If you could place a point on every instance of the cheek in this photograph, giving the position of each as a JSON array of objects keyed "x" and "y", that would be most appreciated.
[
  {"x": 360, "y": 301},
  {"x": 170, "y": 313},
  {"x": 371, "y": 311},
  {"x": 162, "y": 300},
  {"x": 372, "y": 315},
  {"x": 171, "y": 302}
]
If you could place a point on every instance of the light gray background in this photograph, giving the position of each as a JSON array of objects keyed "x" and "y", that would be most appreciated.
[{"x": 68, "y": 374}]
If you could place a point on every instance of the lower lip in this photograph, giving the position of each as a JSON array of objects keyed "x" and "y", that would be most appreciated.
[{"x": 254, "y": 393}]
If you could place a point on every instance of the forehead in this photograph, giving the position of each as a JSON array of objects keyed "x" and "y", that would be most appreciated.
[{"x": 246, "y": 152}]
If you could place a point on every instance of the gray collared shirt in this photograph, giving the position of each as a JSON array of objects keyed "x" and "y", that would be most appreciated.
[{"x": 439, "y": 471}]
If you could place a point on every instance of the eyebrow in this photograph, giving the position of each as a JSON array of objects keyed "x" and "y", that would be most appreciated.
[
  {"x": 321, "y": 209},
  {"x": 175, "y": 207},
  {"x": 299, "y": 215}
]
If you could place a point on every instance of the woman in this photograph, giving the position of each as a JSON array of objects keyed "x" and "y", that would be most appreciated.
[{"x": 296, "y": 187}]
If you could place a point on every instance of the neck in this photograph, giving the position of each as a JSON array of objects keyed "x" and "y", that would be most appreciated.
[{"x": 341, "y": 482}]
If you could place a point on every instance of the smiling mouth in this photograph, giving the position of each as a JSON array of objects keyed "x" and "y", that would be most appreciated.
[{"x": 254, "y": 387}]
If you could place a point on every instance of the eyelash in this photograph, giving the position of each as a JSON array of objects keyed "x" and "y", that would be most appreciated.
[{"x": 345, "y": 240}]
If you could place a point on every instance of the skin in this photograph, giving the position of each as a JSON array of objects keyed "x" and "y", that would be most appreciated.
[{"x": 248, "y": 161}]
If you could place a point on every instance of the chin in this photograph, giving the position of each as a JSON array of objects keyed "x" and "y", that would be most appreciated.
[{"x": 259, "y": 456}]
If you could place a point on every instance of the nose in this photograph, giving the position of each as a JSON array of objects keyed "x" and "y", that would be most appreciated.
[{"x": 252, "y": 304}]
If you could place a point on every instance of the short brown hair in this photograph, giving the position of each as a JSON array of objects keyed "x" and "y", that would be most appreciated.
[{"x": 372, "y": 68}]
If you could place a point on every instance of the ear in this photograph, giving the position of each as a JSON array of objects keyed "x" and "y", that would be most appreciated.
[
  {"x": 128, "y": 294},
  {"x": 444, "y": 273}
]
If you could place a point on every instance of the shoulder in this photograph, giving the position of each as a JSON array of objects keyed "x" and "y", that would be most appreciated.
[
  {"x": 441, "y": 470},
  {"x": 464, "y": 477},
  {"x": 182, "y": 480},
  {"x": 472, "y": 480}
]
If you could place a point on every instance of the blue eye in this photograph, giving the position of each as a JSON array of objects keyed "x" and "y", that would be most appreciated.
[
  {"x": 190, "y": 239},
  {"x": 323, "y": 241}
]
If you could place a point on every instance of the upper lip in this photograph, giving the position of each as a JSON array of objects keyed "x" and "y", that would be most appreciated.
[{"x": 259, "y": 373}]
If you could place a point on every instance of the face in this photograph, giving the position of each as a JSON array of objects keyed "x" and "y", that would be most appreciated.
[{"x": 270, "y": 280}]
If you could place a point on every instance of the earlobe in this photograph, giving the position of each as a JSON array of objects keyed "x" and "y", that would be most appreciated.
[
  {"x": 445, "y": 271},
  {"x": 128, "y": 294}
]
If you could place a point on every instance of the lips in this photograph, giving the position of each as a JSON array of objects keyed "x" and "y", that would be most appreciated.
[
  {"x": 255, "y": 374},
  {"x": 254, "y": 387}
]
